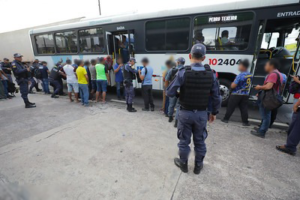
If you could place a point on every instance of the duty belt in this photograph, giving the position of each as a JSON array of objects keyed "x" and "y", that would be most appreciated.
[{"x": 194, "y": 110}]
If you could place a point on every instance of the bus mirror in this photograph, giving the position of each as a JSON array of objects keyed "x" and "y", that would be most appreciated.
[{"x": 268, "y": 37}]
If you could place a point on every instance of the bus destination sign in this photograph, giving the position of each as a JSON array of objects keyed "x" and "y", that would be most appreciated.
[{"x": 222, "y": 19}]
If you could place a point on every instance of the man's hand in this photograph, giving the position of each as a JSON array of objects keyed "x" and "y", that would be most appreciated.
[
  {"x": 296, "y": 79},
  {"x": 212, "y": 118},
  {"x": 258, "y": 87},
  {"x": 28, "y": 69}
]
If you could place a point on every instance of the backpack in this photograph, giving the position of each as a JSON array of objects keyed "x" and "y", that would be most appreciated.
[
  {"x": 37, "y": 73},
  {"x": 294, "y": 87},
  {"x": 271, "y": 99}
]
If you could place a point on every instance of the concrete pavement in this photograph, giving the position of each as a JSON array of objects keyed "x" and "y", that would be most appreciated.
[{"x": 61, "y": 150}]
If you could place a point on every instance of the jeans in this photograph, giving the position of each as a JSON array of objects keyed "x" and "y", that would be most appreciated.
[
  {"x": 293, "y": 138},
  {"x": 147, "y": 96},
  {"x": 172, "y": 104},
  {"x": 242, "y": 102},
  {"x": 119, "y": 90},
  {"x": 166, "y": 106},
  {"x": 46, "y": 85},
  {"x": 84, "y": 93},
  {"x": 266, "y": 118},
  {"x": 4, "y": 82}
]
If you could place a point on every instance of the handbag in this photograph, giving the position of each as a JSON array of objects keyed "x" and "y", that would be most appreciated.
[{"x": 271, "y": 99}]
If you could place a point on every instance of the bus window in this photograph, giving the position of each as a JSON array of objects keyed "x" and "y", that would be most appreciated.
[
  {"x": 229, "y": 32},
  {"x": 269, "y": 40},
  {"x": 170, "y": 35},
  {"x": 91, "y": 40},
  {"x": 44, "y": 44},
  {"x": 66, "y": 42},
  {"x": 290, "y": 42}
]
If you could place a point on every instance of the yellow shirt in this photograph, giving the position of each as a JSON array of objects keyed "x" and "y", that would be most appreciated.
[{"x": 81, "y": 72}]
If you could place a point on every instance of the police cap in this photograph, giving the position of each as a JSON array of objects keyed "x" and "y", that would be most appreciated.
[
  {"x": 199, "y": 50},
  {"x": 17, "y": 55}
]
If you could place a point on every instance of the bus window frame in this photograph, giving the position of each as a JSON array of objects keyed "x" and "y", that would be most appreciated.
[
  {"x": 77, "y": 39},
  {"x": 104, "y": 40},
  {"x": 253, "y": 24},
  {"x": 34, "y": 43},
  {"x": 168, "y": 51}
]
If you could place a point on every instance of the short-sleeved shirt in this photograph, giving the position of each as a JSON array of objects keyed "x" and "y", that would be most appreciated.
[
  {"x": 101, "y": 71},
  {"x": 284, "y": 78},
  {"x": 44, "y": 71},
  {"x": 70, "y": 72},
  {"x": 148, "y": 77},
  {"x": 93, "y": 72},
  {"x": 1, "y": 75},
  {"x": 81, "y": 72},
  {"x": 272, "y": 78},
  {"x": 119, "y": 74},
  {"x": 243, "y": 82}
]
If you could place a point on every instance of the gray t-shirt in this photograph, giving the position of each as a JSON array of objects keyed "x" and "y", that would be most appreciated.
[{"x": 93, "y": 72}]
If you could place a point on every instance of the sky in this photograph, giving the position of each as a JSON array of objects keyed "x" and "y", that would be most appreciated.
[{"x": 19, "y": 14}]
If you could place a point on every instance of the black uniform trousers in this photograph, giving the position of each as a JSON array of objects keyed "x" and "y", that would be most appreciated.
[
  {"x": 242, "y": 102},
  {"x": 24, "y": 90},
  {"x": 147, "y": 96}
]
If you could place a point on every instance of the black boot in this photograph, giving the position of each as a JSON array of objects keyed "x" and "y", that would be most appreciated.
[
  {"x": 31, "y": 103},
  {"x": 198, "y": 168},
  {"x": 170, "y": 118},
  {"x": 127, "y": 107},
  {"x": 131, "y": 109},
  {"x": 183, "y": 166},
  {"x": 176, "y": 122},
  {"x": 54, "y": 96}
]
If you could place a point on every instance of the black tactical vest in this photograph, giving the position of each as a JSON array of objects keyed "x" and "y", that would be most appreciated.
[
  {"x": 54, "y": 74},
  {"x": 128, "y": 75},
  {"x": 195, "y": 91}
]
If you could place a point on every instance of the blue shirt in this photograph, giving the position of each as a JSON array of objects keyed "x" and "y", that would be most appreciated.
[
  {"x": 243, "y": 81},
  {"x": 119, "y": 74},
  {"x": 215, "y": 98},
  {"x": 44, "y": 71},
  {"x": 148, "y": 77},
  {"x": 284, "y": 78}
]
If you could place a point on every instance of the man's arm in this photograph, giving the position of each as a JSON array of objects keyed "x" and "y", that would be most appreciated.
[
  {"x": 296, "y": 106},
  {"x": 216, "y": 99},
  {"x": 175, "y": 84},
  {"x": 267, "y": 86},
  {"x": 86, "y": 77},
  {"x": 142, "y": 74},
  {"x": 118, "y": 68}
]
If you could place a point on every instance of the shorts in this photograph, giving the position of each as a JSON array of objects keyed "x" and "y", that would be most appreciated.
[
  {"x": 73, "y": 86},
  {"x": 94, "y": 85},
  {"x": 101, "y": 85}
]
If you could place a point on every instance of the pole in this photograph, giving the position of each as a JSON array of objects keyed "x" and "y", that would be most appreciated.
[{"x": 99, "y": 7}]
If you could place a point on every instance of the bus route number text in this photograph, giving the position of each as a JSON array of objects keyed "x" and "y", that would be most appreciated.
[{"x": 221, "y": 61}]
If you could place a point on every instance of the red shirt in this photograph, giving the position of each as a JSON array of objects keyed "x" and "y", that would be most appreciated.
[{"x": 272, "y": 78}]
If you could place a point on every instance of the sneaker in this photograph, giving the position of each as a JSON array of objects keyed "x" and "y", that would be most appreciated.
[
  {"x": 224, "y": 121},
  {"x": 183, "y": 166},
  {"x": 257, "y": 134},
  {"x": 285, "y": 150},
  {"x": 54, "y": 96},
  {"x": 170, "y": 119}
]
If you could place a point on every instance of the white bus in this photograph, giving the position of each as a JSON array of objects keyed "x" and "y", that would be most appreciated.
[{"x": 257, "y": 30}]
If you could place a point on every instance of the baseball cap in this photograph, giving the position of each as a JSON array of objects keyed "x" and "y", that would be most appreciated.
[
  {"x": 181, "y": 60},
  {"x": 132, "y": 59},
  {"x": 199, "y": 49},
  {"x": 145, "y": 60},
  {"x": 17, "y": 55}
]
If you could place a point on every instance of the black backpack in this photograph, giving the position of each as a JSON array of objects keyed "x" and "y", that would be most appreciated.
[
  {"x": 37, "y": 73},
  {"x": 271, "y": 99}
]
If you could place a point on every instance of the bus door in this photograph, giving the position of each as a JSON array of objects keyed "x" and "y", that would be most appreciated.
[
  {"x": 120, "y": 45},
  {"x": 279, "y": 39}
]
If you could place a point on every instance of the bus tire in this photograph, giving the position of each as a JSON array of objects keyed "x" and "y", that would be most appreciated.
[{"x": 225, "y": 90}]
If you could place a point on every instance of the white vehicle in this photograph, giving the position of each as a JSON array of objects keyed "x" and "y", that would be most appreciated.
[{"x": 255, "y": 30}]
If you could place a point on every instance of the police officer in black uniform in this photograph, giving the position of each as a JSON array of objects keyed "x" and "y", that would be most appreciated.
[
  {"x": 198, "y": 86},
  {"x": 22, "y": 74},
  {"x": 129, "y": 73},
  {"x": 54, "y": 78}
]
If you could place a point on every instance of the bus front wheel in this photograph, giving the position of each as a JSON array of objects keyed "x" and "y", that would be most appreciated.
[{"x": 225, "y": 91}]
